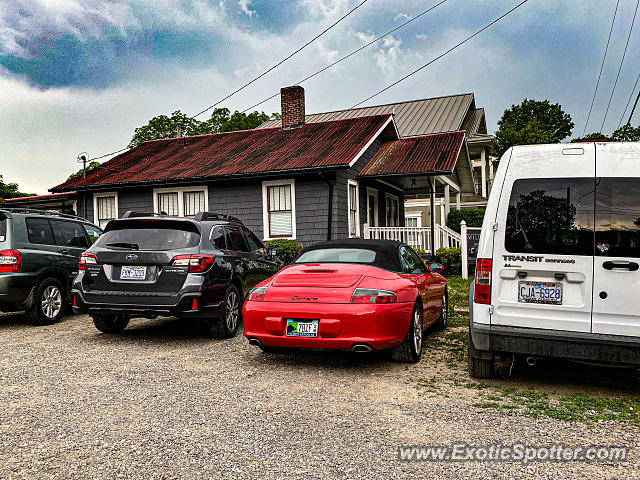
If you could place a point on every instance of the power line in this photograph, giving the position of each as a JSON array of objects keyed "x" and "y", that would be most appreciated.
[
  {"x": 284, "y": 59},
  {"x": 601, "y": 67},
  {"x": 629, "y": 101},
  {"x": 621, "y": 62},
  {"x": 350, "y": 54},
  {"x": 108, "y": 154},
  {"x": 442, "y": 54}
]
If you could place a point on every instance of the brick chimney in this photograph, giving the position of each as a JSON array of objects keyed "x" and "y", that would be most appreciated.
[{"x": 292, "y": 104}]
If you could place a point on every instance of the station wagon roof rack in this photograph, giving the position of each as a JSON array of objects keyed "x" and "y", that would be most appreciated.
[
  {"x": 42, "y": 212},
  {"x": 200, "y": 216},
  {"x": 132, "y": 214}
]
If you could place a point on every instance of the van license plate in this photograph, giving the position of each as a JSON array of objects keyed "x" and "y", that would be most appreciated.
[
  {"x": 133, "y": 273},
  {"x": 540, "y": 292},
  {"x": 302, "y": 328}
]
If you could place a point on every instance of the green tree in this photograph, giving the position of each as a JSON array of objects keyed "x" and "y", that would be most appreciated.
[
  {"x": 592, "y": 136},
  {"x": 626, "y": 133},
  {"x": 532, "y": 121},
  {"x": 78, "y": 174},
  {"x": 221, "y": 120},
  {"x": 10, "y": 190}
]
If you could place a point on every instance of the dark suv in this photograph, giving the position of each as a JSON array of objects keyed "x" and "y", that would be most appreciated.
[
  {"x": 39, "y": 253},
  {"x": 148, "y": 266}
]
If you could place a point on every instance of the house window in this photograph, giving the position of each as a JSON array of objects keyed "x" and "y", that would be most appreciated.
[
  {"x": 392, "y": 210},
  {"x": 193, "y": 203},
  {"x": 168, "y": 203},
  {"x": 180, "y": 202},
  {"x": 105, "y": 208},
  {"x": 372, "y": 207},
  {"x": 279, "y": 213},
  {"x": 354, "y": 214},
  {"x": 413, "y": 220}
]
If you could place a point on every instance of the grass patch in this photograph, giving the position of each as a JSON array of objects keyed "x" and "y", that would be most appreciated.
[{"x": 459, "y": 291}]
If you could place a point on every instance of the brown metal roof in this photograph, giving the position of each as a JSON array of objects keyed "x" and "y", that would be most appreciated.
[
  {"x": 413, "y": 117},
  {"x": 435, "y": 153},
  {"x": 475, "y": 123}
]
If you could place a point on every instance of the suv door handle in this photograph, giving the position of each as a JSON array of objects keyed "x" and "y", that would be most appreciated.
[{"x": 631, "y": 266}]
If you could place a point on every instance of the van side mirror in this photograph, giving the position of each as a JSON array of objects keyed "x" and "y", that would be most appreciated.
[{"x": 435, "y": 267}]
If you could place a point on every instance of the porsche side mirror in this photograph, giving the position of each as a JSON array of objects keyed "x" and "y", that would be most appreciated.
[{"x": 435, "y": 267}]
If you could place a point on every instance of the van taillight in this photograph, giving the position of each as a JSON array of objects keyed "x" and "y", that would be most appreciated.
[
  {"x": 482, "y": 284},
  {"x": 196, "y": 263},
  {"x": 86, "y": 259},
  {"x": 10, "y": 261}
]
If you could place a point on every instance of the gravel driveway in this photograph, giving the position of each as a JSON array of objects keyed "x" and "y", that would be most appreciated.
[{"x": 162, "y": 401}]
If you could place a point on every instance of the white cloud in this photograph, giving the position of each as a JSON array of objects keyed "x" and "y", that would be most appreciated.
[
  {"x": 401, "y": 16},
  {"x": 421, "y": 36},
  {"x": 244, "y": 6}
]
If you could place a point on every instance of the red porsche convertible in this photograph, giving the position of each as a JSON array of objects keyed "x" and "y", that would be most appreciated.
[{"x": 351, "y": 294}]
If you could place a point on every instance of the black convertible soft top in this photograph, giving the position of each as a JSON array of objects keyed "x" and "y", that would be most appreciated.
[{"x": 387, "y": 254}]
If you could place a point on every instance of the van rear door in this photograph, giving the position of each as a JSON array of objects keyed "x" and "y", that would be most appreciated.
[
  {"x": 543, "y": 247},
  {"x": 616, "y": 281}
]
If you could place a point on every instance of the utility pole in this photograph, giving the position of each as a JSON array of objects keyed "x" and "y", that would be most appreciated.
[
  {"x": 83, "y": 158},
  {"x": 633, "y": 109}
]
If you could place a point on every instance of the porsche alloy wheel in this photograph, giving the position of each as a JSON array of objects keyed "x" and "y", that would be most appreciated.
[
  {"x": 441, "y": 324},
  {"x": 410, "y": 349}
]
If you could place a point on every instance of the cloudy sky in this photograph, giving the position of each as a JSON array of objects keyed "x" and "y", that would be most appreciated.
[{"x": 81, "y": 75}]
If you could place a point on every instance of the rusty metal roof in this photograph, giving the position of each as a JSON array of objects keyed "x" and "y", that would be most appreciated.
[
  {"x": 425, "y": 154},
  {"x": 413, "y": 117},
  {"x": 246, "y": 152}
]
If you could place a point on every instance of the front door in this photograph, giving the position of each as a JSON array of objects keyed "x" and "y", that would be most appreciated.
[{"x": 616, "y": 277}]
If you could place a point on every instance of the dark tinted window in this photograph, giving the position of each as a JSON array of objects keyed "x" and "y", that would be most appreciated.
[
  {"x": 149, "y": 239},
  {"x": 3, "y": 229},
  {"x": 69, "y": 234},
  {"x": 39, "y": 231},
  {"x": 255, "y": 245},
  {"x": 551, "y": 216},
  {"x": 237, "y": 239},
  {"x": 218, "y": 238},
  {"x": 411, "y": 263},
  {"x": 618, "y": 217}
]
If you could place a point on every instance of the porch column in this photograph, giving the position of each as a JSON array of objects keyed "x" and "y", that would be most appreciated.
[
  {"x": 447, "y": 203},
  {"x": 484, "y": 173},
  {"x": 432, "y": 206},
  {"x": 458, "y": 198}
]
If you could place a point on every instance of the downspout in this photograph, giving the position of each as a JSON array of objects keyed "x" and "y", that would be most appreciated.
[
  {"x": 432, "y": 206},
  {"x": 330, "y": 205}
]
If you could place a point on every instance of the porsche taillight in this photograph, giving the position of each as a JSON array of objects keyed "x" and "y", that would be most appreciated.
[
  {"x": 373, "y": 295},
  {"x": 10, "y": 261},
  {"x": 196, "y": 263},
  {"x": 86, "y": 259},
  {"x": 257, "y": 294},
  {"x": 482, "y": 283}
]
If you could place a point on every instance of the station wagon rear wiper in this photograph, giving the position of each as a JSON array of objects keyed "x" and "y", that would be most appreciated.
[{"x": 133, "y": 246}]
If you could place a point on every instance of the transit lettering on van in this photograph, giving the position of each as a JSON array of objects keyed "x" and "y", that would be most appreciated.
[{"x": 522, "y": 258}]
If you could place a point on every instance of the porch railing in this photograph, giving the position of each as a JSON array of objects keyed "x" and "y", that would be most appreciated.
[{"x": 417, "y": 237}]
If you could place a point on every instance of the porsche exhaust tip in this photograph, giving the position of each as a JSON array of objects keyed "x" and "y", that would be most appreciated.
[
  {"x": 255, "y": 342},
  {"x": 361, "y": 348}
]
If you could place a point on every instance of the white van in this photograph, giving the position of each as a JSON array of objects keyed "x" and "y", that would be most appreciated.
[{"x": 557, "y": 272}]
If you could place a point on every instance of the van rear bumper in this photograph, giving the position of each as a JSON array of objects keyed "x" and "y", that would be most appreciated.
[{"x": 613, "y": 349}]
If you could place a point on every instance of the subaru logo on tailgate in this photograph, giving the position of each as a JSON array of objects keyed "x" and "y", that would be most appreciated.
[{"x": 131, "y": 256}]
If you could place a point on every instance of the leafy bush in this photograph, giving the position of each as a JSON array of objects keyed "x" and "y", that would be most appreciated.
[
  {"x": 473, "y": 217},
  {"x": 287, "y": 249},
  {"x": 451, "y": 259}
]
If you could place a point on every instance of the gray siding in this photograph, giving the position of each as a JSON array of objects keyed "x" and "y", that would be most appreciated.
[
  {"x": 242, "y": 200},
  {"x": 137, "y": 200}
]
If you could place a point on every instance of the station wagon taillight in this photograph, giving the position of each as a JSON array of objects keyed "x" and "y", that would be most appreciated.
[
  {"x": 372, "y": 295},
  {"x": 196, "y": 263},
  {"x": 10, "y": 261},
  {"x": 86, "y": 259},
  {"x": 482, "y": 284}
]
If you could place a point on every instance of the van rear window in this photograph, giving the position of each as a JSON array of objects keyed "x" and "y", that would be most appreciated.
[
  {"x": 3, "y": 229},
  {"x": 551, "y": 216},
  {"x": 618, "y": 217}
]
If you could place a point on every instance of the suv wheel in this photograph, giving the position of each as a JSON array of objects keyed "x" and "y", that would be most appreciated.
[
  {"x": 110, "y": 323},
  {"x": 410, "y": 350},
  {"x": 48, "y": 306},
  {"x": 226, "y": 325}
]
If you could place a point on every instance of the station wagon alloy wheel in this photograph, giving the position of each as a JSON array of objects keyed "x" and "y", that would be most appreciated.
[
  {"x": 232, "y": 310},
  {"x": 51, "y": 301}
]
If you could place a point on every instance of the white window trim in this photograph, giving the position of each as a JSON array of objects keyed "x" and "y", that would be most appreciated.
[
  {"x": 355, "y": 184},
  {"x": 265, "y": 208},
  {"x": 374, "y": 192},
  {"x": 181, "y": 191},
  {"x": 397, "y": 199},
  {"x": 417, "y": 215},
  {"x": 96, "y": 196}
]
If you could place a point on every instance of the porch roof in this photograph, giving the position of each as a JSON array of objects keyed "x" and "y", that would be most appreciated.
[{"x": 421, "y": 155}]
